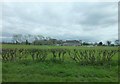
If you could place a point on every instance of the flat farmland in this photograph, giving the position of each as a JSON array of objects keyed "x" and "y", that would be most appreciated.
[{"x": 35, "y": 63}]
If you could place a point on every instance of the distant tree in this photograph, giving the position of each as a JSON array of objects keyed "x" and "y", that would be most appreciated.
[
  {"x": 25, "y": 37},
  {"x": 48, "y": 38},
  {"x": 112, "y": 44},
  {"x": 53, "y": 41},
  {"x": 40, "y": 37},
  {"x": 80, "y": 41},
  {"x": 100, "y": 43},
  {"x": 27, "y": 42},
  {"x": 85, "y": 43},
  {"x": 108, "y": 43},
  {"x": 17, "y": 38},
  {"x": 117, "y": 42},
  {"x": 22, "y": 39},
  {"x": 29, "y": 38},
  {"x": 95, "y": 43}
]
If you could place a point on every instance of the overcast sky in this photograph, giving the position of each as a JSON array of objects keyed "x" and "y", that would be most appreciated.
[{"x": 89, "y": 21}]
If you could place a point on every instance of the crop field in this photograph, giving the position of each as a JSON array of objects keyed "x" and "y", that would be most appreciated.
[{"x": 35, "y": 63}]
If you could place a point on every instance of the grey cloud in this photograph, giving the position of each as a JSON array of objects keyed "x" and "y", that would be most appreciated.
[{"x": 61, "y": 20}]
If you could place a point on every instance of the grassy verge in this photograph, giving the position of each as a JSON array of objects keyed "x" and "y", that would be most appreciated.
[{"x": 57, "y": 72}]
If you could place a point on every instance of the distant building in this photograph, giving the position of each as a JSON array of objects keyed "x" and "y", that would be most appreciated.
[{"x": 71, "y": 43}]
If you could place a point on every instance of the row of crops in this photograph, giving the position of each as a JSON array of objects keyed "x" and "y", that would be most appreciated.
[{"x": 83, "y": 57}]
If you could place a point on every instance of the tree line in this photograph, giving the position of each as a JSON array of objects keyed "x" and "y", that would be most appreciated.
[{"x": 42, "y": 40}]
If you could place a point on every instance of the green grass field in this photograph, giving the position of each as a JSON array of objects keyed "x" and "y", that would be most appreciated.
[{"x": 66, "y": 71}]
